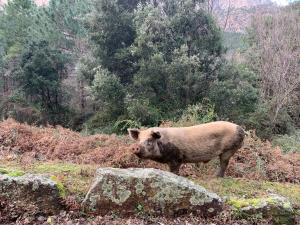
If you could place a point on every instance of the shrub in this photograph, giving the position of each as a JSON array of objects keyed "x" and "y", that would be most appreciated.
[
  {"x": 288, "y": 143},
  {"x": 141, "y": 111},
  {"x": 101, "y": 122},
  {"x": 235, "y": 93},
  {"x": 265, "y": 128},
  {"x": 199, "y": 113},
  {"x": 16, "y": 107},
  {"x": 121, "y": 126},
  {"x": 108, "y": 92}
]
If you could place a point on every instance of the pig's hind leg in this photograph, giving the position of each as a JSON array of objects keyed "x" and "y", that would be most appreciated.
[
  {"x": 225, "y": 156},
  {"x": 224, "y": 161}
]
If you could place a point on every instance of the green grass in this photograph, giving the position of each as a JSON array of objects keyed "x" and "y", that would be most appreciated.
[
  {"x": 72, "y": 178},
  {"x": 76, "y": 179},
  {"x": 11, "y": 172}
]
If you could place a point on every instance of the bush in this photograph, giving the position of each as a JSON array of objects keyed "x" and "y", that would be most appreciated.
[
  {"x": 288, "y": 143},
  {"x": 197, "y": 114},
  {"x": 141, "y": 111},
  {"x": 16, "y": 107},
  {"x": 101, "y": 122},
  {"x": 265, "y": 128},
  {"x": 62, "y": 115},
  {"x": 121, "y": 126},
  {"x": 108, "y": 92},
  {"x": 235, "y": 93}
]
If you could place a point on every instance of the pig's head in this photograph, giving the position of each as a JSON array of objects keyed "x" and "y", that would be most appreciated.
[{"x": 147, "y": 147}]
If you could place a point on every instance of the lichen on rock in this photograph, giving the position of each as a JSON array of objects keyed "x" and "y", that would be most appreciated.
[
  {"x": 28, "y": 191},
  {"x": 159, "y": 192},
  {"x": 274, "y": 206}
]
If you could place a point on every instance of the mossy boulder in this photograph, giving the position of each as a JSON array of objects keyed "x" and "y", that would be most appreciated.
[
  {"x": 150, "y": 191},
  {"x": 274, "y": 206},
  {"x": 30, "y": 193}
]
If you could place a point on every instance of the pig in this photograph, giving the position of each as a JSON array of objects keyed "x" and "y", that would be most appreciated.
[{"x": 201, "y": 143}]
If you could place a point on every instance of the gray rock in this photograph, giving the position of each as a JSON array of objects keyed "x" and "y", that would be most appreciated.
[
  {"x": 30, "y": 193},
  {"x": 151, "y": 191},
  {"x": 274, "y": 206}
]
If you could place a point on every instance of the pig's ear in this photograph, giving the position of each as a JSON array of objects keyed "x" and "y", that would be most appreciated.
[
  {"x": 134, "y": 133},
  {"x": 155, "y": 135}
]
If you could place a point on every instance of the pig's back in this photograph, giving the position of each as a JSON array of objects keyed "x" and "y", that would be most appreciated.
[{"x": 202, "y": 142}]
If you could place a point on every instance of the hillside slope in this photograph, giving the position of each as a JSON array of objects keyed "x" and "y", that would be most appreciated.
[
  {"x": 72, "y": 158},
  {"x": 235, "y": 16},
  {"x": 232, "y": 15}
]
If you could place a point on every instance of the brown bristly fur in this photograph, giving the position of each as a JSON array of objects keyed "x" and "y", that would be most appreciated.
[{"x": 200, "y": 143}]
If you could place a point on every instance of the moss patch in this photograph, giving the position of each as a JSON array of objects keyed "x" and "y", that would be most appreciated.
[
  {"x": 275, "y": 207},
  {"x": 75, "y": 178},
  {"x": 3, "y": 171},
  {"x": 241, "y": 203},
  {"x": 56, "y": 168},
  {"x": 59, "y": 185},
  {"x": 256, "y": 202},
  {"x": 16, "y": 174},
  {"x": 11, "y": 172}
]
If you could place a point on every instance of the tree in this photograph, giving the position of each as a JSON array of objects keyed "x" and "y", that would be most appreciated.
[
  {"x": 15, "y": 19},
  {"x": 178, "y": 48},
  {"x": 150, "y": 82},
  {"x": 235, "y": 93},
  {"x": 176, "y": 24},
  {"x": 108, "y": 92},
  {"x": 274, "y": 54},
  {"x": 61, "y": 23},
  {"x": 187, "y": 83},
  {"x": 111, "y": 29},
  {"x": 42, "y": 70}
]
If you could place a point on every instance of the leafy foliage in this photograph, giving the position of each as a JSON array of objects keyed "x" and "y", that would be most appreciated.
[
  {"x": 108, "y": 92},
  {"x": 42, "y": 70},
  {"x": 121, "y": 126},
  {"x": 106, "y": 65},
  {"x": 288, "y": 143},
  {"x": 111, "y": 30},
  {"x": 197, "y": 114},
  {"x": 142, "y": 111},
  {"x": 235, "y": 93}
]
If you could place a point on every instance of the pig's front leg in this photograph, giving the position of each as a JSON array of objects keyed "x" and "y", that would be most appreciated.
[{"x": 174, "y": 167}]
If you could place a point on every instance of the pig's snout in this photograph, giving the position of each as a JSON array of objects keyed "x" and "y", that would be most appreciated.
[{"x": 136, "y": 149}]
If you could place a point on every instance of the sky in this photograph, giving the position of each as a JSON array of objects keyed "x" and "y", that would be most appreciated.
[{"x": 281, "y": 2}]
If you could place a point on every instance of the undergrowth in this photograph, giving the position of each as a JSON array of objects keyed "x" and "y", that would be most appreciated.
[
  {"x": 288, "y": 143},
  {"x": 28, "y": 145}
]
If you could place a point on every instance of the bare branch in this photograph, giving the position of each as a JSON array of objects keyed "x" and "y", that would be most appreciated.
[{"x": 276, "y": 48}]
